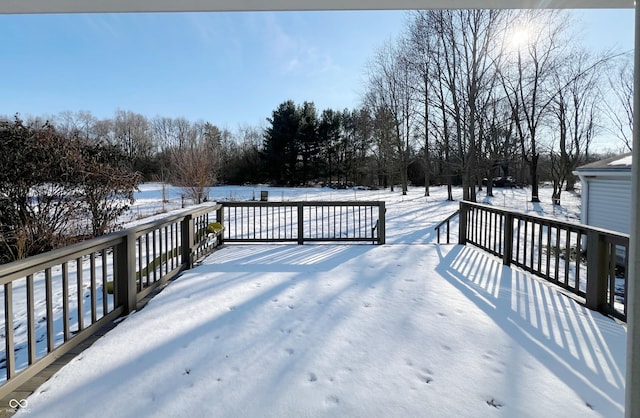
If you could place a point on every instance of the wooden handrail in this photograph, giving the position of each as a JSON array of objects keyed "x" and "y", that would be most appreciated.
[{"x": 587, "y": 261}]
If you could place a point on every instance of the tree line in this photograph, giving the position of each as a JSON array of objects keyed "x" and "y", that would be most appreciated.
[
  {"x": 71, "y": 176},
  {"x": 479, "y": 94},
  {"x": 482, "y": 94},
  {"x": 461, "y": 97}
]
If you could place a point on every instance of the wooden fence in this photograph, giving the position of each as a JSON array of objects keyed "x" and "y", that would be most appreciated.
[
  {"x": 54, "y": 301},
  {"x": 589, "y": 262}
]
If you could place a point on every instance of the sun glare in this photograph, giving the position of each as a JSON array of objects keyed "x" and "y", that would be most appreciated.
[{"x": 518, "y": 38}]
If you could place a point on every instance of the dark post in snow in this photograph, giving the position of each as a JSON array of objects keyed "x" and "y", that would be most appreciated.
[
  {"x": 187, "y": 241},
  {"x": 382, "y": 219},
  {"x": 220, "y": 220},
  {"x": 508, "y": 239},
  {"x": 300, "y": 223},
  {"x": 462, "y": 225},
  {"x": 597, "y": 274},
  {"x": 632, "y": 388}
]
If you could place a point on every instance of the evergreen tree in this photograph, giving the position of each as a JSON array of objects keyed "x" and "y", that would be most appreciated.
[
  {"x": 328, "y": 138},
  {"x": 280, "y": 147},
  {"x": 308, "y": 138}
]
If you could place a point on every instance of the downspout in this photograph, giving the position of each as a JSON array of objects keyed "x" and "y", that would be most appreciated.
[
  {"x": 584, "y": 206},
  {"x": 584, "y": 198}
]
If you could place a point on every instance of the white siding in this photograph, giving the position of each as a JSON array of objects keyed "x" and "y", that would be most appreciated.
[{"x": 609, "y": 204}]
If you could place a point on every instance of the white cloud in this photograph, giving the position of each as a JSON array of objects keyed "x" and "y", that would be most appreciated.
[{"x": 292, "y": 53}]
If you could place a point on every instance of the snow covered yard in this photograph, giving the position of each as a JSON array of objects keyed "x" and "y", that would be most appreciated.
[
  {"x": 397, "y": 330},
  {"x": 405, "y": 329}
]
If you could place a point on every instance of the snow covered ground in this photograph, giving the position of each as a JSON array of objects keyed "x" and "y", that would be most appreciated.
[{"x": 405, "y": 329}]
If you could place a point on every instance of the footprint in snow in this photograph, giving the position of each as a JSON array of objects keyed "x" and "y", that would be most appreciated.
[
  {"x": 496, "y": 404},
  {"x": 425, "y": 376},
  {"x": 312, "y": 377}
]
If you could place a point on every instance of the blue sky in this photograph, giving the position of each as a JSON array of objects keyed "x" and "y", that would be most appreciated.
[{"x": 225, "y": 68}]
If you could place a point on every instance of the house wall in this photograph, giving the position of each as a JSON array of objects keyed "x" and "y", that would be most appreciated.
[{"x": 607, "y": 203}]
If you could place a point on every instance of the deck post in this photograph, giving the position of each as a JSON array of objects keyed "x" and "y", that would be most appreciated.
[
  {"x": 300, "y": 223},
  {"x": 507, "y": 239},
  {"x": 124, "y": 280},
  {"x": 220, "y": 220},
  {"x": 186, "y": 229},
  {"x": 382, "y": 231},
  {"x": 596, "y": 271},
  {"x": 462, "y": 225}
]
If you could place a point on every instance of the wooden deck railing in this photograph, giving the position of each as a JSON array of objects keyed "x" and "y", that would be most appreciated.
[
  {"x": 589, "y": 262},
  {"x": 54, "y": 301},
  {"x": 304, "y": 222},
  {"x": 446, "y": 225}
]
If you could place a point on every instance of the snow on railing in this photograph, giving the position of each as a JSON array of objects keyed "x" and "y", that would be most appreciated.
[{"x": 589, "y": 262}]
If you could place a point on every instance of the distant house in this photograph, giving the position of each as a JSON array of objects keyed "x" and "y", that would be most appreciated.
[{"x": 606, "y": 193}]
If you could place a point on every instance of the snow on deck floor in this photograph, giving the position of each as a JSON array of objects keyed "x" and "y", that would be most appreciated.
[{"x": 349, "y": 330}]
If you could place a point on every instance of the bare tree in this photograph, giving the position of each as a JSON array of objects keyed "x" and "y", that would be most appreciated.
[
  {"x": 527, "y": 79},
  {"x": 133, "y": 136},
  {"x": 421, "y": 38},
  {"x": 81, "y": 124},
  {"x": 445, "y": 102},
  {"x": 619, "y": 108},
  {"x": 241, "y": 157},
  {"x": 498, "y": 146},
  {"x": 195, "y": 158},
  {"x": 575, "y": 107},
  {"x": 391, "y": 91},
  {"x": 467, "y": 49},
  {"x": 381, "y": 147}
]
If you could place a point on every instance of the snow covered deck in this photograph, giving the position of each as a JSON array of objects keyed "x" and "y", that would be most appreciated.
[{"x": 349, "y": 330}]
